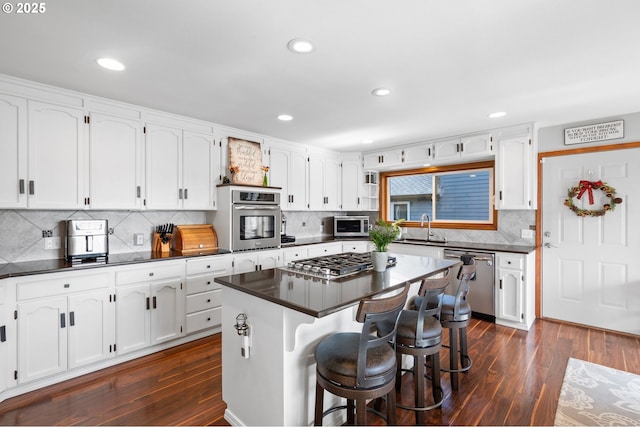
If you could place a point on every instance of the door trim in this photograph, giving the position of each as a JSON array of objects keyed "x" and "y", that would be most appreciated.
[{"x": 541, "y": 156}]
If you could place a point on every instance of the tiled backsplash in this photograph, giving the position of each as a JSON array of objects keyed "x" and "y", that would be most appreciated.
[{"x": 21, "y": 230}]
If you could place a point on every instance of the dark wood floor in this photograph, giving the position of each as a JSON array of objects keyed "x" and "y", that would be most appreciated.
[{"x": 515, "y": 380}]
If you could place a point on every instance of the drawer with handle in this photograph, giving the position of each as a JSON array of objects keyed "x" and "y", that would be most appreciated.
[
  {"x": 203, "y": 301},
  {"x": 201, "y": 284},
  {"x": 204, "y": 319}
]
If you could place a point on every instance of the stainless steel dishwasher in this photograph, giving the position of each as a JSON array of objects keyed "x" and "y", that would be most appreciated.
[{"x": 481, "y": 293}]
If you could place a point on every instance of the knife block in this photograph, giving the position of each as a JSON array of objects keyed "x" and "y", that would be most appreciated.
[{"x": 158, "y": 245}]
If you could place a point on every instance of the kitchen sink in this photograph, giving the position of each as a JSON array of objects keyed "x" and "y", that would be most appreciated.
[{"x": 433, "y": 242}]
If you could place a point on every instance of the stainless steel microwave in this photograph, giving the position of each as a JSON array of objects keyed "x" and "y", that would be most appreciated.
[{"x": 350, "y": 226}]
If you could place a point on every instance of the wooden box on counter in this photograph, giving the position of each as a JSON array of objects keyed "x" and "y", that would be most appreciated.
[{"x": 194, "y": 238}]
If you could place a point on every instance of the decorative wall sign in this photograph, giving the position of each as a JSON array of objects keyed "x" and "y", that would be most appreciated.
[
  {"x": 609, "y": 201},
  {"x": 593, "y": 133},
  {"x": 245, "y": 162}
]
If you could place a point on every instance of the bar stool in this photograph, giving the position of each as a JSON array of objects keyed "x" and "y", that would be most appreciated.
[
  {"x": 419, "y": 334},
  {"x": 360, "y": 366},
  {"x": 455, "y": 315}
]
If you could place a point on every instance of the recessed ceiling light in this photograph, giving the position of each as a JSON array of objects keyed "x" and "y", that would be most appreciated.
[
  {"x": 497, "y": 114},
  {"x": 380, "y": 92},
  {"x": 300, "y": 46},
  {"x": 110, "y": 64},
  {"x": 367, "y": 141},
  {"x": 285, "y": 117}
]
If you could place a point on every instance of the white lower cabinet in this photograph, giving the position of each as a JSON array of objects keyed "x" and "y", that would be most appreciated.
[
  {"x": 356, "y": 246},
  {"x": 515, "y": 290},
  {"x": 7, "y": 342},
  {"x": 294, "y": 254},
  {"x": 245, "y": 262},
  {"x": 67, "y": 328},
  {"x": 204, "y": 302},
  {"x": 325, "y": 249},
  {"x": 149, "y": 305}
]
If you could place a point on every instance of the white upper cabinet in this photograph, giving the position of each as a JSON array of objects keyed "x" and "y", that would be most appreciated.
[
  {"x": 56, "y": 157},
  {"x": 116, "y": 162},
  {"x": 199, "y": 153},
  {"x": 463, "y": 148},
  {"x": 13, "y": 145},
  {"x": 288, "y": 170},
  {"x": 476, "y": 146},
  {"x": 324, "y": 182},
  {"x": 383, "y": 159},
  {"x": 418, "y": 155},
  {"x": 515, "y": 172},
  {"x": 163, "y": 167},
  {"x": 178, "y": 168},
  {"x": 352, "y": 177}
]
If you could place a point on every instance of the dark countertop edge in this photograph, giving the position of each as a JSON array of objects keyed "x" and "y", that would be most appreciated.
[
  {"x": 491, "y": 247},
  {"x": 29, "y": 268},
  {"x": 322, "y": 313}
]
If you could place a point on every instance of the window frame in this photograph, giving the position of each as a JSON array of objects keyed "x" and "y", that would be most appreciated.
[{"x": 492, "y": 224}]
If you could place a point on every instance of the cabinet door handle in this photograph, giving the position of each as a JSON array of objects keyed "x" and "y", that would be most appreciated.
[
  {"x": 186, "y": 193},
  {"x": 62, "y": 321},
  {"x": 209, "y": 300},
  {"x": 461, "y": 147},
  {"x": 155, "y": 305},
  {"x": 3, "y": 333},
  {"x": 429, "y": 152},
  {"x": 21, "y": 185},
  {"x": 500, "y": 194},
  {"x": 500, "y": 283},
  {"x": 138, "y": 191},
  {"x": 180, "y": 193},
  {"x": 72, "y": 318},
  {"x": 32, "y": 188},
  {"x": 148, "y": 303}
]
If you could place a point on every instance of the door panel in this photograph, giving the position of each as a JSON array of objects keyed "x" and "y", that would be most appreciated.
[{"x": 590, "y": 270}]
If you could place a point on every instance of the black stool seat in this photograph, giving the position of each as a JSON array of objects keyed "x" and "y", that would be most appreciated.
[
  {"x": 448, "y": 309},
  {"x": 337, "y": 359},
  {"x": 360, "y": 366}
]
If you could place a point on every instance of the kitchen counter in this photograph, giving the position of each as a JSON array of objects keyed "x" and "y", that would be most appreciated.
[
  {"x": 479, "y": 246},
  {"x": 288, "y": 315},
  {"x": 319, "y": 297},
  {"x": 56, "y": 265}
]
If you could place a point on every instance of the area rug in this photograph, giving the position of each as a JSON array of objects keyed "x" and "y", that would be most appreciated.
[{"x": 594, "y": 395}]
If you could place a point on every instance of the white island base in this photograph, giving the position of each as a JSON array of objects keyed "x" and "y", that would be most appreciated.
[{"x": 276, "y": 384}]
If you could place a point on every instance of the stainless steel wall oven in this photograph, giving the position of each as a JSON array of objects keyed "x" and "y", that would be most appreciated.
[{"x": 255, "y": 220}]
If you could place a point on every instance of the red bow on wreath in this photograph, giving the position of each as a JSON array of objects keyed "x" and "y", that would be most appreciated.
[{"x": 588, "y": 186}]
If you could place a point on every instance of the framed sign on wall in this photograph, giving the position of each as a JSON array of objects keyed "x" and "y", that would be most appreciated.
[{"x": 245, "y": 162}]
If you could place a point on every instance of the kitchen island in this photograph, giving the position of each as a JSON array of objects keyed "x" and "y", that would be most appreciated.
[{"x": 288, "y": 314}]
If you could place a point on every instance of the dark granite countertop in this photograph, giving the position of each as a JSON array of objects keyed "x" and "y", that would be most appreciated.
[
  {"x": 58, "y": 265},
  {"x": 320, "y": 297}
]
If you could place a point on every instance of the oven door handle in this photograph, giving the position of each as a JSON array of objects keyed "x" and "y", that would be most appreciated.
[{"x": 259, "y": 207}]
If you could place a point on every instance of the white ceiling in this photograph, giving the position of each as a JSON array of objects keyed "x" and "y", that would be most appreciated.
[{"x": 449, "y": 63}]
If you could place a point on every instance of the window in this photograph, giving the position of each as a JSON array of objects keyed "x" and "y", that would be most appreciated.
[{"x": 459, "y": 196}]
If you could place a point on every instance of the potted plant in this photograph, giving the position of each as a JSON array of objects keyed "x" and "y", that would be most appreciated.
[{"x": 381, "y": 234}]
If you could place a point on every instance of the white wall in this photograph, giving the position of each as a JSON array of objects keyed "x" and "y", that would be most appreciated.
[{"x": 552, "y": 138}]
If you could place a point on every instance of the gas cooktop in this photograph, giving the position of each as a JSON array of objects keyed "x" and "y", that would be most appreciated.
[{"x": 334, "y": 266}]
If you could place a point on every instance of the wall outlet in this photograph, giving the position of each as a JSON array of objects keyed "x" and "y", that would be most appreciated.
[
  {"x": 52, "y": 243},
  {"x": 526, "y": 234},
  {"x": 138, "y": 239}
]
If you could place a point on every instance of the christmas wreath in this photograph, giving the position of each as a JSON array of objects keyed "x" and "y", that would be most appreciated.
[{"x": 585, "y": 186}]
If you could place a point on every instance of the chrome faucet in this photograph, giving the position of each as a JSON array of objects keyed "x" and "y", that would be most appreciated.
[{"x": 428, "y": 224}]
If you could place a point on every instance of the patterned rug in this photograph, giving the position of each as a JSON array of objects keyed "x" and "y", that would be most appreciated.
[{"x": 594, "y": 395}]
